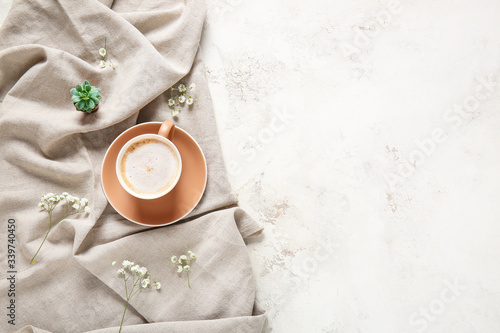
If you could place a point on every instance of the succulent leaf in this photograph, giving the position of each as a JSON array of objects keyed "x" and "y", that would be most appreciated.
[
  {"x": 85, "y": 97},
  {"x": 80, "y": 105}
]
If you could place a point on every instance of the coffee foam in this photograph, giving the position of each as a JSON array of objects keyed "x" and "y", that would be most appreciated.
[{"x": 149, "y": 166}]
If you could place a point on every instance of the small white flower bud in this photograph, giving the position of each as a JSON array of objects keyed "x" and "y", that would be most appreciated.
[
  {"x": 127, "y": 263},
  {"x": 142, "y": 271},
  {"x": 145, "y": 283}
]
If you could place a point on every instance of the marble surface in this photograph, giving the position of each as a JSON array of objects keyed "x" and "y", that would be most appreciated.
[{"x": 364, "y": 136}]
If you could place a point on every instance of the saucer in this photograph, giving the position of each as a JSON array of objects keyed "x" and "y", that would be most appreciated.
[{"x": 173, "y": 206}]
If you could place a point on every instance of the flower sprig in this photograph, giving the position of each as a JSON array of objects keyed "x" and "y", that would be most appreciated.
[
  {"x": 135, "y": 278},
  {"x": 103, "y": 52},
  {"x": 183, "y": 263},
  {"x": 184, "y": 95},
  {"x": 74, "y": 205}
]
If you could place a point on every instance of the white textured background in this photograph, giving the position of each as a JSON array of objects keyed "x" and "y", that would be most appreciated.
[{"x": 365, "y": 136}]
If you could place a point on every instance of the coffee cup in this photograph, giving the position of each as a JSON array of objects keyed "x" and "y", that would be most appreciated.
[{"x": 149, "y": 165}]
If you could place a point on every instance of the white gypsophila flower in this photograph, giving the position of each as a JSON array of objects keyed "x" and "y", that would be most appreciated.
[
  {"x": 87, "y": 209},
  {"x": 192, "y": 255},
  {"x": 175, "y": 113},
  {"x": 157, "y": 285},
  {"x": 127, "y": 263},
  {"x": 192, "y": 86},
  {"x": 69, "y": 198},
  {"x": 183, "y": 257},
  {"x": 41, "y": 205},
  {"x": 113, "y": 263},
  {"x": 142, "y": 271},
  {"x": 186, "y": 268},
  {"x": 121, "y": 271},
  {"x": 84, "y": 201},
  {"x": 76, "y": 206},
  {"x": 182, "y": 99},
  {"x": 179, "y": 269},
  {"x": 190, "y": 100},
  {"x": 173, "y": 259},
  {"x": 64, "y": 194},
  {"x": 145, "y": 283},
  {"x": 102, "y": 52},
  {"x": 182, "y": 88},
  {"x": 171, "y": 102},
  {"x": 135, "y": 268},
  {"x": 76, "y": 199}
]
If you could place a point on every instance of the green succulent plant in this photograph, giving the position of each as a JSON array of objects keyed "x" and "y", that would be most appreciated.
[{"x": 85, "y": 97}]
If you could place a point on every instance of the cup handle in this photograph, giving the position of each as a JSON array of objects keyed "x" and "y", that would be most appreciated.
[{"x": 167, "y": 129}]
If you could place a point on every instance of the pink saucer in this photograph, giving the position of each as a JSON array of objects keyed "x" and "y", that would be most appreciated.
[{"x": 176, "y": 204}]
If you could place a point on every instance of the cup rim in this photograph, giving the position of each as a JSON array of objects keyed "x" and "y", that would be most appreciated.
[{"x": 122, "y": 152}]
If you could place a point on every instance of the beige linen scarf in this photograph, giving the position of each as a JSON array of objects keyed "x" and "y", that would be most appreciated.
[{"x": 46, "y": 48}]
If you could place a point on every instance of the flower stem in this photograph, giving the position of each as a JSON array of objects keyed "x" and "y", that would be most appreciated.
[
  {"x": 189, "y": 285},
  {"x": 50, "y": 228},
  {"x": 112, "y": 65},
  {"x": 32, "y": 262},
  {"x": 123, "y": 317}
]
